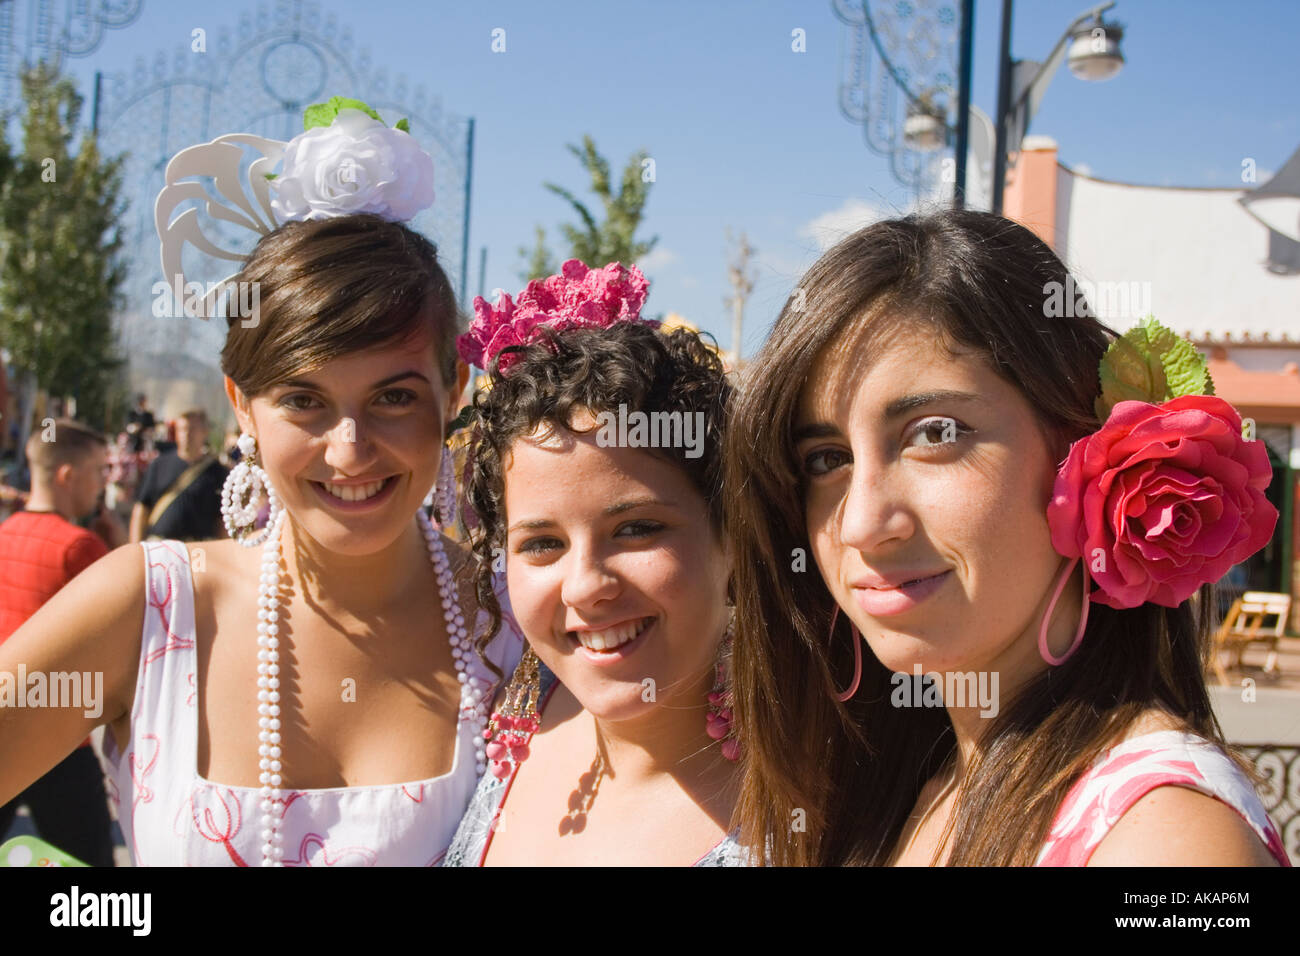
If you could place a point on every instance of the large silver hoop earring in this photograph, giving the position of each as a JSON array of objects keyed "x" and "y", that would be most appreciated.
[{"x": 243, "y": 494}]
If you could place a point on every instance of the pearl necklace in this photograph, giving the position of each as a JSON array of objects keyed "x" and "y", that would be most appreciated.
[{"x": 474, "y": 701}]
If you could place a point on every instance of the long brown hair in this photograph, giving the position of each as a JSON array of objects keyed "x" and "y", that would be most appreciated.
[{"x": 827, "y": 783}]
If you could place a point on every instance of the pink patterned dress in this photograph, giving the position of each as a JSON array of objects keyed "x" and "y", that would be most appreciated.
[
  {"x": 1131, "y": 770},
  {"x": 170, "y": 816}
]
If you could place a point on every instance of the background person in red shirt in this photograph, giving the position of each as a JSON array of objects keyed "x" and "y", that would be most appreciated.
[{"x": 41, "y": 550}]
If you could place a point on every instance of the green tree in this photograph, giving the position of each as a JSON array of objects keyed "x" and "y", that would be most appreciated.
[
  {"x": 614, "y": 238},
  {"x": 541, "y": 262},
  {"x": 60, "y": 270}
]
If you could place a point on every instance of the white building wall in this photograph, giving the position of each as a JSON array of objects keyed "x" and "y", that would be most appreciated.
[{"x": 1200, "y": 254}]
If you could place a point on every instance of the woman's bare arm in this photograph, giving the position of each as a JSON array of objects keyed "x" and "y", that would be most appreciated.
[
  {"x": 1177, "y": 826},
  {"x": 91, "y": 626}
]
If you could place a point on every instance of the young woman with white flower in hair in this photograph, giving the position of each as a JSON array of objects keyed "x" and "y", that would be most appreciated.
[
  {"x": 612, "y": 743},
  {"x": 250, "y": 696}
]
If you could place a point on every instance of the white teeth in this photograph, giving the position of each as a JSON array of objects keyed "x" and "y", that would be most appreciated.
[
  {"x": 612, "y": 637},
  {"x": 354, "y": 492}
]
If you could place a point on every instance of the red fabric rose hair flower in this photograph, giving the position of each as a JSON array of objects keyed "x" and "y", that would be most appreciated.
[
  {"x": 1167, "y": 495},
  {"x": 579, "y": 297}
]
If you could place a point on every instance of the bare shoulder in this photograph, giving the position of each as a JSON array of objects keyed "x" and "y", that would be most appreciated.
[
  {"x": 1178, "y": 826},
  {"x": 218, "y": 560},
  {"x": 92, "y": 627},
  {"x": 218, "y": 567}
]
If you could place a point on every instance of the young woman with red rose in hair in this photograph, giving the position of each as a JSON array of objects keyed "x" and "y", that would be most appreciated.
[{"x": 906, "y": 424}]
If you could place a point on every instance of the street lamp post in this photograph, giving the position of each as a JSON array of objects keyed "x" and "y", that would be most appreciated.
[
  {"x": 1092, "y": 47},
  {"x": 963, "y": 99}
]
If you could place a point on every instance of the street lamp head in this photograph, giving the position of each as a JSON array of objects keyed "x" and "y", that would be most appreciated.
[
  {"x": 1094, "y": 51},
  {"x": 925, "y": 128}
]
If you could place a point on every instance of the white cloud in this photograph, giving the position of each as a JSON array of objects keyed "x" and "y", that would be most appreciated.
[
  {"x": 830, "y": 227},
  {"x": 659, "y": 257}
]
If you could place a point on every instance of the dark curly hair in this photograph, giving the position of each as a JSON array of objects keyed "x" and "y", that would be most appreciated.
[{"x": 596, "y": 370}]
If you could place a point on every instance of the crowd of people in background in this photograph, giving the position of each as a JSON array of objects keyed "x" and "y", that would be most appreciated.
[
  {"x": 144, "y": 439},
  {"x": 70, "y": 497}
]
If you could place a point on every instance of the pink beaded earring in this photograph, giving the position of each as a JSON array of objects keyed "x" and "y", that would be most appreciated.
[
  {"x": 717, "y": 722},
  {"x": 513, "y": 724}
]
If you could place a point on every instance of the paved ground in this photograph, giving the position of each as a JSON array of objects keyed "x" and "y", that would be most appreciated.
[
  {"x": 1259, "y": 708},
  {"x": 1253, "y": 659}
]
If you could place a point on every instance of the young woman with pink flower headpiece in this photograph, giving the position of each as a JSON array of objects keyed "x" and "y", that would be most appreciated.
[
  {"x": 1032, "y": 688},
  {"x": 595, "y": 475},
  {"x": 250, "y": 696}
]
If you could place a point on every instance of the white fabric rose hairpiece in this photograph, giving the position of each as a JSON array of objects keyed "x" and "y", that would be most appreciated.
[{"x": 346, "y": 161}]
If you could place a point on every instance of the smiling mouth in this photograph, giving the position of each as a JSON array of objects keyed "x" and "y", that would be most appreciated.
[
  {"x": 611, "y": 638},
  {"x": 355, "y": 492}
]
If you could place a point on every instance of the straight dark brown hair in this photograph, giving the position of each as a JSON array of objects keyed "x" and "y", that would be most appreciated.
[
  {"x": 331, "y": 287},
  {"x": 826, "y": 783}
]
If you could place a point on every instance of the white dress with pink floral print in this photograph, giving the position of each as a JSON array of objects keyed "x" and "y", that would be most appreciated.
[
  {"x": 1131, "y": 770},
  {"x": 170, "y": 816}
]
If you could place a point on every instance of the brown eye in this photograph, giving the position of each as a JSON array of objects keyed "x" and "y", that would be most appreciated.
[
  {"x": 638, "y": 529},
  {"x": 397, "y": 397},
  {"x": 539, "y": 546},
  {"x": 936, "y": 431},
  {"x": 292, "y": 402},
  {"x": 824, "y": 460}
]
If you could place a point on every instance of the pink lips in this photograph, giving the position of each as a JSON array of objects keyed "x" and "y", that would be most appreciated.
[{"x": 880, "y": 597}]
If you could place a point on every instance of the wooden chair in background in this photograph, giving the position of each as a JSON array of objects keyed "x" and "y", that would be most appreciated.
[{"x": 1244, "y": 625}]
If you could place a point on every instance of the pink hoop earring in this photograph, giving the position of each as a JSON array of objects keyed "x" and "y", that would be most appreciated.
[
  {"x": 857, "y": 657},
  {"x": 1051, "y": 606}
]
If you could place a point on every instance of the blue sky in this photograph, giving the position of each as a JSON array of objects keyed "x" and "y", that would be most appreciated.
[{"x": 746, "y": 134}]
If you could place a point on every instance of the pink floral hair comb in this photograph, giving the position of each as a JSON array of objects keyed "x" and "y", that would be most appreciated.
[{"x": 579, "y": 297}]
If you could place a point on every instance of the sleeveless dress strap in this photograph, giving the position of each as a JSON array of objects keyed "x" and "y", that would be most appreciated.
[
  {"x": 1134, "y": 768},
  {"x": 161, "y": 752}
]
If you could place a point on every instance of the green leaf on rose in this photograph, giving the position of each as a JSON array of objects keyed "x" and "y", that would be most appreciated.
[
  {"x": 323, "y": 114},
  {"x": 403, "y": 125},
  {"x": 1150, "y": 363}
]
